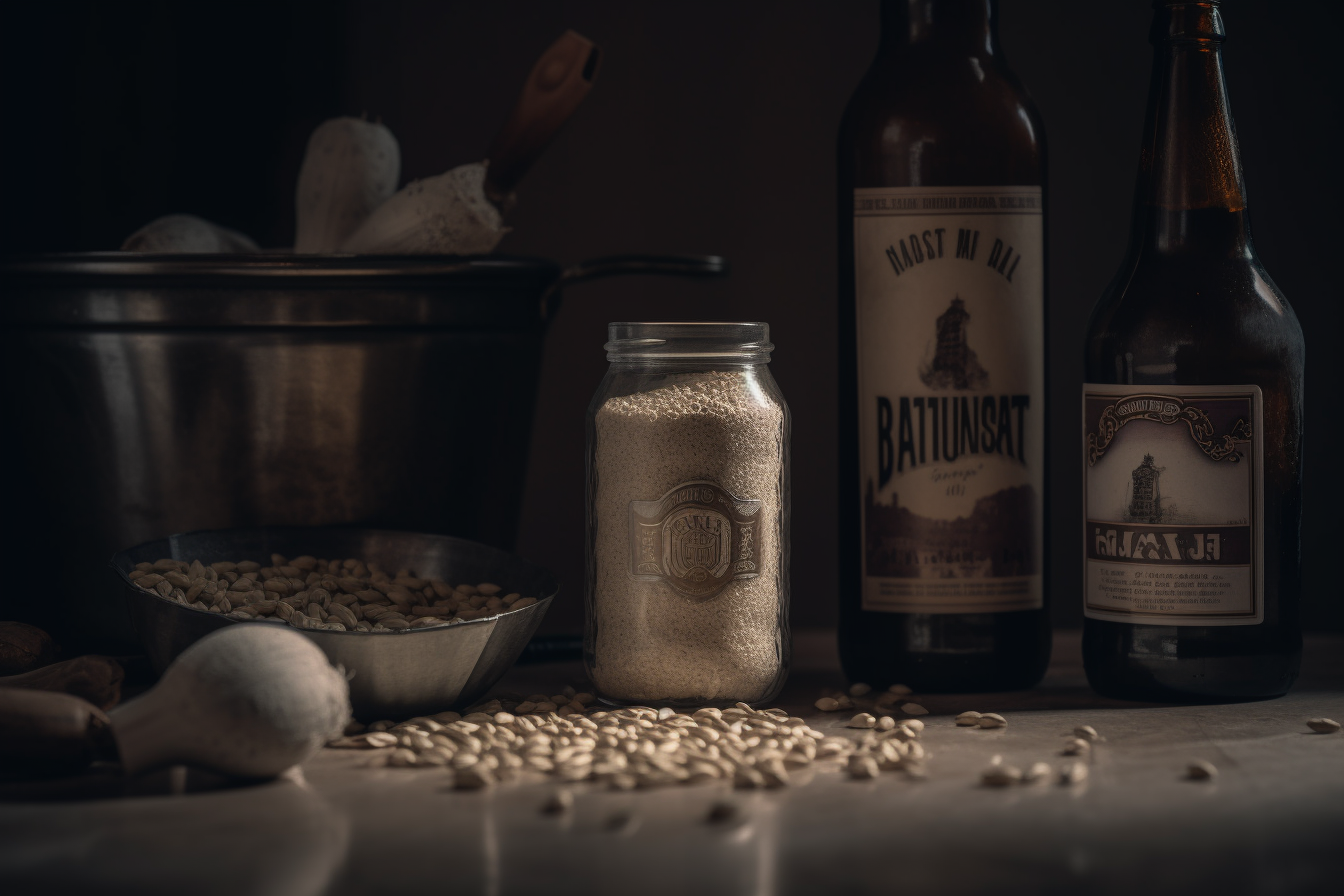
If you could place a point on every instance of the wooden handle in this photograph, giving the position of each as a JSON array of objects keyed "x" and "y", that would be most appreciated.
[
  {"x": 47, "y": 731},
  {"x": 93, "y": 678},
  {"x": 24, "y": 648},
  {"x": 554, "y": 88}
]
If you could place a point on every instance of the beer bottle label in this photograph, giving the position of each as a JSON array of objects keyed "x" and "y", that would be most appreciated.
[
  {"x": 951, "y": 372},
  {"x": 1173, "y": 504}
]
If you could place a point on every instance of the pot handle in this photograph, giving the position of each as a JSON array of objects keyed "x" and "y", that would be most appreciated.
[{"x": 613, "y": 265}]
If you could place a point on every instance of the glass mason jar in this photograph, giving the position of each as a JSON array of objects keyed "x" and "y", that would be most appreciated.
[{"x": 687, "y": 598}]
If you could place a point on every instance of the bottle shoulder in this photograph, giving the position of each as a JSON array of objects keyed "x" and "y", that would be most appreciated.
[
  {"x": 932, "y": 119},
  {"x": 1192, "y": 320}
]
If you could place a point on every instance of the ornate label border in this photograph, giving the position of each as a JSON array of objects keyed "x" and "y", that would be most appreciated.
[
  {"x": 720, "y": 519},
  {"x": 1167, "y": 409}
]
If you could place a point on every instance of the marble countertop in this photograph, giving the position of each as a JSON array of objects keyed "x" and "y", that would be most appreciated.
[{"x": 1272, "y": 822}]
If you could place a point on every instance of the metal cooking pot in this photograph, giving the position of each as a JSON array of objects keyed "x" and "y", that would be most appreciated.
[{"x": 153, "y": 394}]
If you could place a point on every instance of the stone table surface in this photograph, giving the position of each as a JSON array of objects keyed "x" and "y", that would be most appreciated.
[{"x": 1272, "y": 822}]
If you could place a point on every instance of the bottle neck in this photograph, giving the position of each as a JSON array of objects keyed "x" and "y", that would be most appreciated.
[
  {"x": 1190, "y": 192},
  {"x": 963, "y": 26}
]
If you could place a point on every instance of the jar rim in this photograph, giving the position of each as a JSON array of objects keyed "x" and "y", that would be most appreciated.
[{"x": 742, "y": 341}]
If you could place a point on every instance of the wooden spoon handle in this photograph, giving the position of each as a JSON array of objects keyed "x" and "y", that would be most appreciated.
[
  {"x": 556, "y": 85},
  {"x": 94, "y": 678},
  {"x": 52, "y": 732}
]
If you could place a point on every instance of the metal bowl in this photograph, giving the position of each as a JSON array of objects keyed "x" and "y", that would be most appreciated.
[{"x": 396, "y": 675}]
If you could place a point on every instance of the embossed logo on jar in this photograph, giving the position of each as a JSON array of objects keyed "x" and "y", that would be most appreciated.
[{"x": 697, "y": 538}]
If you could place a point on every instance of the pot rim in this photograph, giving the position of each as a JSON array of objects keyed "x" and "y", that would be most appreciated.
[
  {"x": 117, "y": 290},
  {"x": 280, "y": 290},
  {"x": 214, "y": 266}
]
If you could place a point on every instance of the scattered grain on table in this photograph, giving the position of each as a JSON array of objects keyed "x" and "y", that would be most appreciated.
[
  {"x": 1076, "y": 746},
  {"x": 636, "y": 746},
  {"x": 1036, "y": 773},
  {"x": 1000, "y": 775},
  {"x": 1072, "y": 773}
]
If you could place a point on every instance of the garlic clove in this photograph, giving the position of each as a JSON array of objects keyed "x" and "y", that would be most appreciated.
[
  {"x": 350, "y": 168},
  {"x": 250, "y": 701},
  {"x": 187, "y": 234},
  {"x": 444, "y": 215}
]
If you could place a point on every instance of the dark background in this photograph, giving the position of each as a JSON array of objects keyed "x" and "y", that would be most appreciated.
[{"x": 711, "y": 130}]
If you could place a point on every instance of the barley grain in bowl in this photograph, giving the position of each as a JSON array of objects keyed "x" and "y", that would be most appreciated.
[
  {"x": 341, "y": 595},
  {"x": 423, "y": 622}
]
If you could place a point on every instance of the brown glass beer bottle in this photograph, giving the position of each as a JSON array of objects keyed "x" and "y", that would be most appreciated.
[
  {"x": 942, "y": 472},
  {"x": 1192, "y": 414}
]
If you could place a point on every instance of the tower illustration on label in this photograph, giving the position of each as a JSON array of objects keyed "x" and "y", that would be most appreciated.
[
  {"x": 954, "y": 365},
  {"x": 1145, "y": 506}
]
